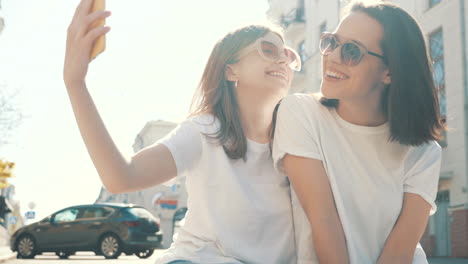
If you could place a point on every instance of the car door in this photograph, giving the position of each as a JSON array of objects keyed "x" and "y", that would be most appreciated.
[
  {"x": 63, "y": 228},
  {"x": 41, "y": 232},
  {"x": 93, "y": 222}
]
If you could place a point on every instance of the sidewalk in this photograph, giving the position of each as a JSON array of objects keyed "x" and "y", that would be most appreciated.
[
  {"x": 447, "y": 261},
  {"x": 6, "y": 254},
  {"x": 5, "y": 251}
]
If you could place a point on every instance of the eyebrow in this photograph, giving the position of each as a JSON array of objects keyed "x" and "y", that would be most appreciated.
[{"x": 358, "y": 42}]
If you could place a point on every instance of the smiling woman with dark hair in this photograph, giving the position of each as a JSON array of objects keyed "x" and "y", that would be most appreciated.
[{"x": 362, "y": 157}]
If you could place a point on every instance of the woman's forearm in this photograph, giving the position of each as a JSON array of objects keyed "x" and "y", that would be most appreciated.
[
  {"x": 112, "y": 167},
  {"x": 329, "y": 241},
  {"x": 311, "y": 184},
  {"x": 148, "y": 167},
  {"x": 402, "y": 242}
]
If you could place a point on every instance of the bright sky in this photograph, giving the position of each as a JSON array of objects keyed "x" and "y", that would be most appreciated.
[{"x": 156, "y": 52}]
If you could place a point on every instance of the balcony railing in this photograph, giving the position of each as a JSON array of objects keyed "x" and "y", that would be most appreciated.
[{"x": 296, "y": 15}]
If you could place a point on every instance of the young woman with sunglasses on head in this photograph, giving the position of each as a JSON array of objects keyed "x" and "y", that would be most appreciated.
[
  {"x": 239, "y": 207},
  {"x": 362, "y": 159}
]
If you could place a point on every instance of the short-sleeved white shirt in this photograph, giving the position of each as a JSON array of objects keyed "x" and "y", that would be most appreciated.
[
  {"x": 368, "y": 174},
  {"x": 238, "y": 211}
]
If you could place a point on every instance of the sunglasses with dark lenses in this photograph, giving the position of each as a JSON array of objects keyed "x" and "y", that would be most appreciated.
[
  {"x": 351, "y": 52},
  {"x": 271, "y": 48}
]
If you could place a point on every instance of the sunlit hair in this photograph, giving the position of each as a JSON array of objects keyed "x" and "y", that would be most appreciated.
[
  {"x": 411, "y": 100},
  {"x": 216, "y": 95}
]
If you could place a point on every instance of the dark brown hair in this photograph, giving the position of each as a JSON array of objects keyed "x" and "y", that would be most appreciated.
[
  {"x": 216, "y": 95},
  {"x": 411, "y": 101}
]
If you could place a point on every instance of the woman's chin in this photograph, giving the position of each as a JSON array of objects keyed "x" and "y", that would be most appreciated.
[{"x": 325, "y": 91}]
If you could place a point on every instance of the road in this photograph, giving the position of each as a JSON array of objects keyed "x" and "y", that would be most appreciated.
[
  {"x": 89, "y": 257},
  {"x": 85, "y": 258}
]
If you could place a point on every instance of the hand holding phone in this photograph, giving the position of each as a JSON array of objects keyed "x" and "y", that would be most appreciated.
[{"x": 100, "y": 44}]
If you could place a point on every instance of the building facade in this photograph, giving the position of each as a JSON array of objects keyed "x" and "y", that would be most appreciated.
[
  {"x": 444, "y": 23},
  {"x": 11, "y": 218},
  {"x": 167, "y": 201}
]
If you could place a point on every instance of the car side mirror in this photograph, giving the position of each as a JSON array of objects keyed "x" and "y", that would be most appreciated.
[{"x": 51, "y": 221}]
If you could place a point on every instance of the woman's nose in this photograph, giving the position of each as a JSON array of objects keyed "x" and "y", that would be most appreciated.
[
  {"x": 283, "y": 59},
  {"x": 335, "y": 55}
]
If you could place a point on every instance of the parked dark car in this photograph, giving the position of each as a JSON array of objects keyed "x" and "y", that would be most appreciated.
[{"x": 106, "y": 229}]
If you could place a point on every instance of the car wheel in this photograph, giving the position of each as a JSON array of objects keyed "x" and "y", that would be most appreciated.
[
  {"x": 110, "y": 246},
  {"x": 63, "y": 254},
  {"x": 26, "y": 247},
  {"x": 145, "y": 253}
]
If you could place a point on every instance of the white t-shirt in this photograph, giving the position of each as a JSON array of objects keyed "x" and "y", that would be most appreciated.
[
  {"x": 368, "y": 174},
  {"x": 238, "y": 212}
]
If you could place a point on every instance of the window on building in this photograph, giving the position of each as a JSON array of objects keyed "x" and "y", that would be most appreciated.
[
  {"x": 301, "y": 3},
  {"x": 295, "y": 15},
  {"x": 434, "y": 2},
  {"x": 300, "y": 11},
  {"x": 322, "y": 28},
  {"x": 303, "y": 52},
  {"x": 436, "y": 48}
]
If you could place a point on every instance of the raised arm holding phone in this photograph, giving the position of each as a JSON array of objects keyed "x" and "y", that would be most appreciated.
[{"x": 239, "y": 207}]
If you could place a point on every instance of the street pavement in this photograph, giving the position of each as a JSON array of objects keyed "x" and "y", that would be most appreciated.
[
  {"x": 89, "y": 257},
  {"x": 8, "y": 257},
  {"x": 85, "y": 258}
]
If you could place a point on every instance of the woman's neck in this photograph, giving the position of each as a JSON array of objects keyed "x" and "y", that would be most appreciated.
[
  {"x": 362, "y": 113},
  {"x": 256, "y": 114}
]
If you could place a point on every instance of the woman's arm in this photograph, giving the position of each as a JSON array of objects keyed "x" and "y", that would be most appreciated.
[
  {"x": 148, "y": 167},
  {"x": 408, "y": 230},
  {"x": 311, "y": 184}
]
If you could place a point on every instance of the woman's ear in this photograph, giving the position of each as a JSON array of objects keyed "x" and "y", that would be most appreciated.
[{"x": 231, "y": 73}]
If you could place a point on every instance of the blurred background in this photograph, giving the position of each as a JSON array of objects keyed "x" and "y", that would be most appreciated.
[{"x": 143, "y": 85}]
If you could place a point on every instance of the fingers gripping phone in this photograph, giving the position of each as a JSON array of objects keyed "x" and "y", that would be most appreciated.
[{"x": 100, "y": 43}]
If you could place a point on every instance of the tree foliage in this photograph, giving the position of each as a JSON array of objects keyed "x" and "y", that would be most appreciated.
[{"x": 10, "y": 113}]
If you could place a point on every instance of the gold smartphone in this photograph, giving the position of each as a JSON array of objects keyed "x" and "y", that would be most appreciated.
[{"x": 100, "y": 44}]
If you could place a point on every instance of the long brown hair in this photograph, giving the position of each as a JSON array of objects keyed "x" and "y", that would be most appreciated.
[
  {"x": 216, "y": 95},
  {"x": 410, "y": 101}
]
